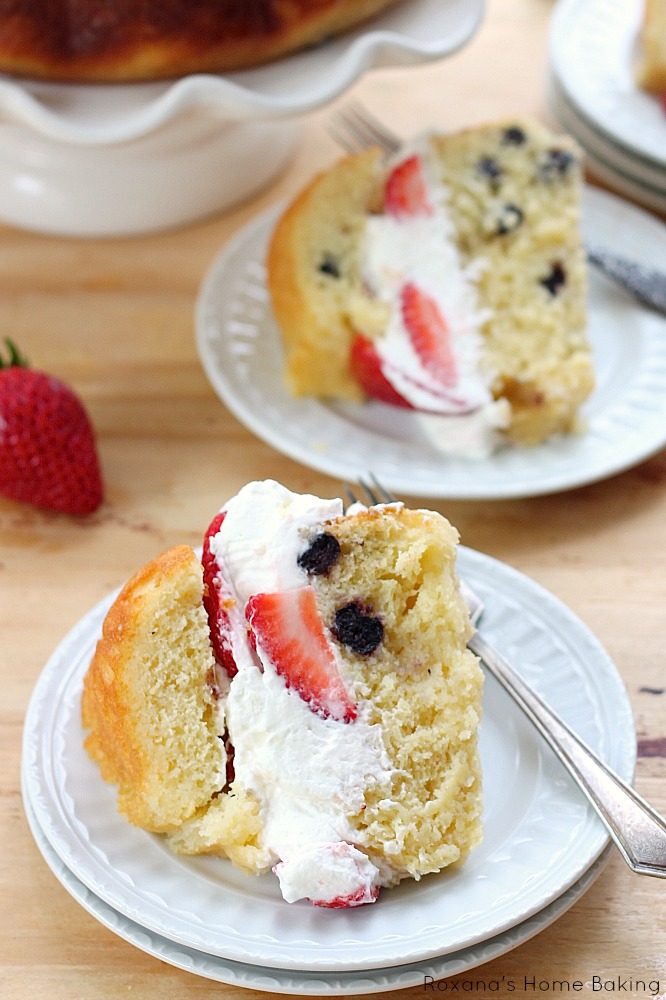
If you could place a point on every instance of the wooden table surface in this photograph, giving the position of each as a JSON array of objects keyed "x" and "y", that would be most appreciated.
[{"x": 115, "y": 319}]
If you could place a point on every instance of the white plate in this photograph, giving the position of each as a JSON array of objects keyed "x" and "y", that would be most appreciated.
[
  {"x": 416, "y": 31},
  {"x": 241, "y": 352},
  {"x": 632, "y": 177},
  {"x": 304, "y": 983},
  {"x": 608, "y": 174},
  {"x": 593, "y": 47},
  {"x": 541, "y": 835},
  {"x": 597, "y": 143}
]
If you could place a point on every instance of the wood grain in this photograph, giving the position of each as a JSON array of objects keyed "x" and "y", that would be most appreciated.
[{"x": 115, "y": 318}]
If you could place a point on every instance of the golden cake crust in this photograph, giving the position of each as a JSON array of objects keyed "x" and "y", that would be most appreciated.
[
  {"x": 157, "y": 613},
  {"x": 651, "y": 64},
  {"x": 133, "y": 40},
  {"x": 313, "y": 321}
]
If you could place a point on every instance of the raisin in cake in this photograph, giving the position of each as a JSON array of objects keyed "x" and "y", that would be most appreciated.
[
  {"x": 98, "y": 41},
  {"x": 300, "y": 700},
  {"x": 450, "y": 281}
]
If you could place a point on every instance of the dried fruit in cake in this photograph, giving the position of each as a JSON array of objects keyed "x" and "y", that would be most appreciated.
[
  {"x": 358, "y": 628},
  {"x": 458, "y": 290},
  {"x": 342, "y": 752},
  {"x": 321, "y": 554},
  {"x": 48, "y": 453}
]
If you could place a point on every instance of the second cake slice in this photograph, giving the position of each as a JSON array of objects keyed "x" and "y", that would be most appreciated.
[{"x": 449, "y": 281}]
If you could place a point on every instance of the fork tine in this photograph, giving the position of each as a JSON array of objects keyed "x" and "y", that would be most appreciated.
[
  {"x": 339, "y": 132},
  {"x": 384, "y": 494},
  {"x": 354, "y": 128},
  {"x": 374, "y": 492},
  {"x": 373, "y": 128},
  {"x": 369, "y": 492},
  {"x": 351, "y": 496}
]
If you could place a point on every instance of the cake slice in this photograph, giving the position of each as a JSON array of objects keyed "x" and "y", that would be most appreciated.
[
  {"x": 651, "y": 62},
  {"x": 301, "y": 699},
  {"x": 449, "y": 280}
]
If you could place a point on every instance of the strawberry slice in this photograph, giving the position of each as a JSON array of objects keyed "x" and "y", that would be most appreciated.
[
  {"x": 366, "y": 369},
  {"x": 405, "y": 192},
  {"x": 216, "y": 602},
  {"x": 289, "y": 630},
  {"x": 357, "y": 898},
  {"x": 429, "y": 333}
]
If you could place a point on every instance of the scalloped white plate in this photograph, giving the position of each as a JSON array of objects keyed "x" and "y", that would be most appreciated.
[
  {"x": 304, "y": 983},
  {"x": 541, "y": 835},
  {"x": 593, "y": 48},
  {"x": 414, "y": 32},
  {"x": 596, "y": 142},
  {"x": 241, "y": 351},
  {"x": 630, "y": 176}
]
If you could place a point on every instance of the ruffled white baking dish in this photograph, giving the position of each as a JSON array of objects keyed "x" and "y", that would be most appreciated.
[{"x": 128, "y": 159}]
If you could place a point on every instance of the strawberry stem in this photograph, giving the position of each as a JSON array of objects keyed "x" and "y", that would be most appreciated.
[{"x": 16, "y": 359}]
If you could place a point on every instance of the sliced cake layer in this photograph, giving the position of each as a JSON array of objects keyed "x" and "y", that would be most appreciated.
[
  {"x": 449, "y": 280},
  {"x": 332, "y": 735}
]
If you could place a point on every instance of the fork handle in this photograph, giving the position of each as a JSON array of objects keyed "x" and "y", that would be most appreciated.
[
  {"x": 646, "y": 283},
  {"x": 638, "y": 831}
]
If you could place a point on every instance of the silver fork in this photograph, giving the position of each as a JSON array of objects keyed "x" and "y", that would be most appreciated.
[
  {"x": 636, "y": 828},
  {"x": 354, "y": 129}
]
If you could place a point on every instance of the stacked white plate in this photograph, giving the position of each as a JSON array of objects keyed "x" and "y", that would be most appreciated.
[
  {"x": 543, "y": 843},
  {"x": 593, "y": 94}
]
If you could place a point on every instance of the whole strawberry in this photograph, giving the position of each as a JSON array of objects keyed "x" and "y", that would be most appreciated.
[{"x": 48, "y": 456}]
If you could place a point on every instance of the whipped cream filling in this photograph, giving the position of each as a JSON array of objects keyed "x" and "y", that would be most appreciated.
[
  {"x": 308, "y": 772},
  {"x": 344, "y": 876},
  {"x": 420, "y": 248}
]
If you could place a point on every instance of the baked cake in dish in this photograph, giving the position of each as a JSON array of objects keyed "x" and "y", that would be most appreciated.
[
  {"x": 132, "y": 40},
  {"x": 299, "y": 700},
  {"x": 450, "y": 280},
  {"x": 651, "y": 64}
]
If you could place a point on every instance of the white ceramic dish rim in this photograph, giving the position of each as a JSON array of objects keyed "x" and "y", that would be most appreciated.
[
  {"x": 619, "y": 182},
  {"x": 537, "y": 850},
  {"x": 592, "y": 46},
  {"x": 604, "y": 161},
  {"x": 293, "y": 982},
  {"x": 417, "y": 32},
  {"x": 596, "y": 143}
]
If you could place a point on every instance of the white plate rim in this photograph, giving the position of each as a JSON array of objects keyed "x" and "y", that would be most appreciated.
[
  {"x": 293, "y": 982},
  {"x": 596, "y": 144},
  {"x": 101, "y": 115},
  {"x": 591, "y": 47},
  {"x": 607, "y": 173},
  {"x": 240, "y": 350},
  {"x": 146, "y": 883},
  {"x": 605, "y": 161}
]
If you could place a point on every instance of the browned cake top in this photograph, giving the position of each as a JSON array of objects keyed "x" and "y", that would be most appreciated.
[{"x": 151, "y": 39}]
